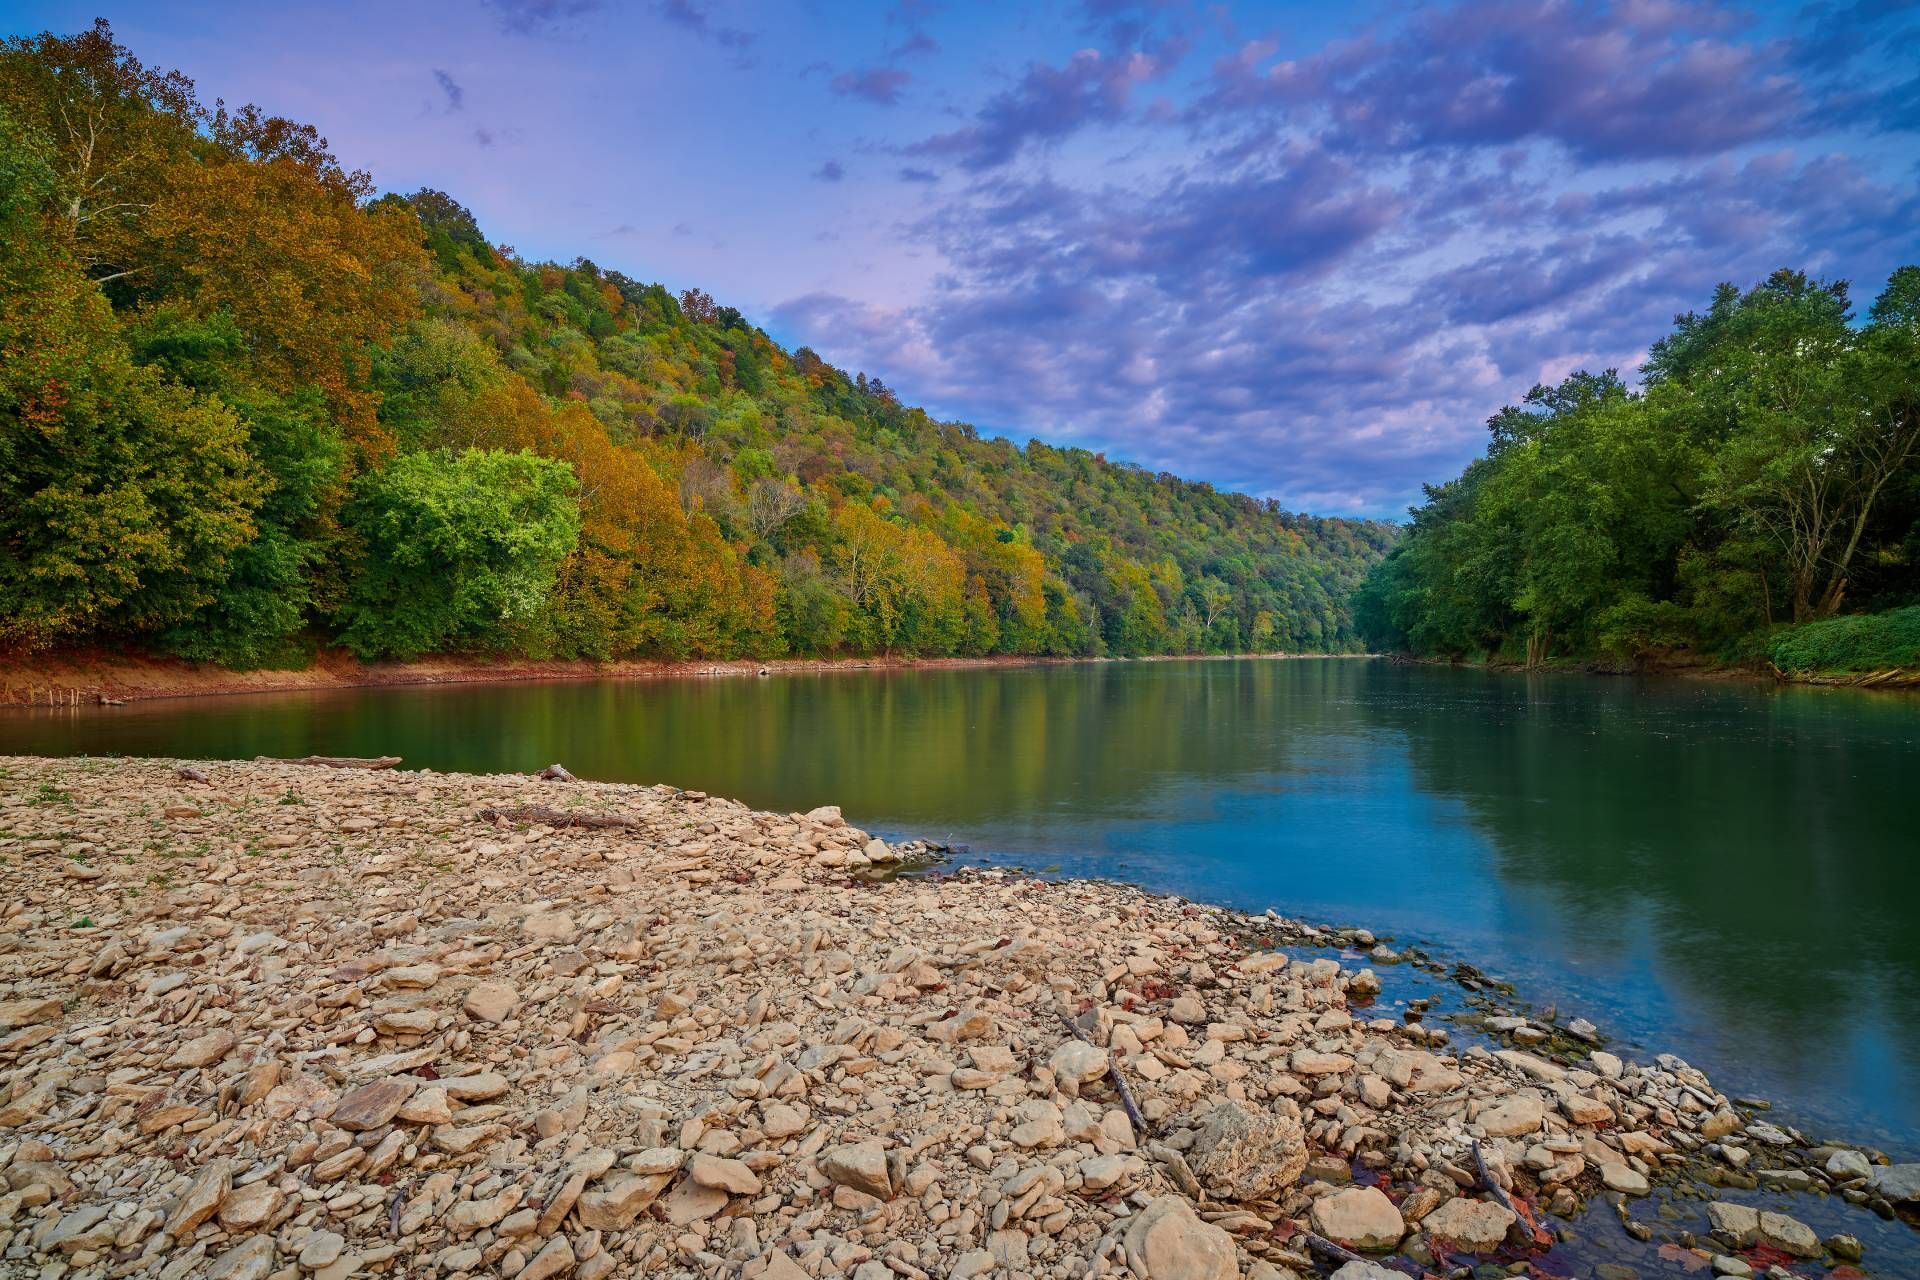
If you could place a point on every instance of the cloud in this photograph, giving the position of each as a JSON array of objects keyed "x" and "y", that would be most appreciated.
[
  {"x": 484, "y": 136},
  {"x": 455, "y": 95},
  {"x": 1309, "y": 269},
  {"x": 1325, "y": 327},
  {"x": 916, "y": 44},
  {"x": 1048, "y": 104},
  {"x": 1639, "y": 79},
  {"x": 879, "y": 85},
  {"x": 536, "y": 17},
  {"x": 694, "y": 17}
]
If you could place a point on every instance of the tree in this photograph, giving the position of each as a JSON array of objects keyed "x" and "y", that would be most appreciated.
[
  {"x": 460, "y": 549},
  {"x": 772, "y": 504},
  {"x": 122, "y": 495},
  {"x": 112, "y": 126},
  {"x": 313, "y": 281},
  {"x": 299, "y": 461},
  {"x": 1813, "y": 420}
]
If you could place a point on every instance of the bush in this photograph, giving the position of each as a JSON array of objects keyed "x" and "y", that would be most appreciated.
[
  {"x": 1857, "y": 642},
  {"x": 460, "y": 548}
]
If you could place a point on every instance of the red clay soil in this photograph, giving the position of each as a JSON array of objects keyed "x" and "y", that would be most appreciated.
[
  {"x": 82, "y": 677},
  {"x": 85, "y": 677}
]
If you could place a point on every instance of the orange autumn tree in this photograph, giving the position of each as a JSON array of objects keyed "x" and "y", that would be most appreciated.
[
  {"x": 236, "y": 216},
  {"x": 645, "y": 578},
  {"x": 284, "y": 248}
]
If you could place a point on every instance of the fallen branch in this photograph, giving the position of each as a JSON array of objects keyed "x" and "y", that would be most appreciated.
[
  {"x": 555, "y": 772},
  {"x": 335, "y": 762},
  {"x": 1487, "y": 1181},
  {"x": 1119, "y": 1081},
  {"x": 187, "y": 773},
  {"x": 540, "y": 815},
  {"x": 1492, "y": 1187}
]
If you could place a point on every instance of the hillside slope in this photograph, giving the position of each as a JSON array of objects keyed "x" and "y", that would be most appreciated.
[{"x": 255, "y": 409}]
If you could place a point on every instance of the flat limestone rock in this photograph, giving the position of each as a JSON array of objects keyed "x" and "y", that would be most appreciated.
[
  {"x": 691, "y": 1202},
  {"x": 1519, "y": 1115},
  {"x": 23, "y": 1013},
  {"x": 862, "y": 1166},
  {"x": 252, "y": 1259},
  {"x": 1474, "y": 1225},
  {"x": 491, "y": 1002},
  {"x": 1360, "y": 1217},
  {"x": 616, "y": 1202},
  {"x": 1168, "y": 1241},
  {"x": 373, "y": 1105},
  {"x": 204, "y": 1050}
]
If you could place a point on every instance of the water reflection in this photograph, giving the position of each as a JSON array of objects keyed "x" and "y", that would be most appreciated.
[{"x": 1724, "y": 870}]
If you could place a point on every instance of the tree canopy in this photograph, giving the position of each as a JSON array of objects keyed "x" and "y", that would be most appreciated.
[{"x": 1765, "y": 472}]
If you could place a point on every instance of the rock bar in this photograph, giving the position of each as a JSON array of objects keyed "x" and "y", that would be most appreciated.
[{"x": 303, "y": 1022}]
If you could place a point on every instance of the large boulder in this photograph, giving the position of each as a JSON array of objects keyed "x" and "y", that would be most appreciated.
[
  {"x": 1167, "y": 1241},
  {"x": 1244, "y": 1154}
]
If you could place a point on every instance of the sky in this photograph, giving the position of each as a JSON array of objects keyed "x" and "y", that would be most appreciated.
[{"x": 1299, "y": 250}]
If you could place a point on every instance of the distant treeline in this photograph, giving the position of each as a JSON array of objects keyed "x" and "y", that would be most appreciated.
[
  {"x": 1765, "y": 473},
  {"x": 247, "y": 408}
]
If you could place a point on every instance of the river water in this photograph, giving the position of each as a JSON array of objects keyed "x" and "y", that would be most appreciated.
[{"x": 1730, "y": 872}]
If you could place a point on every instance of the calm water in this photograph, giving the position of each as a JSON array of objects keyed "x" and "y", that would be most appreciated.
[{"x": 1727, "y": 872}]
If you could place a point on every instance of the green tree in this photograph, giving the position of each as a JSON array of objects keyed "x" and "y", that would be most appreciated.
[
  {"x": 460, "y": 549},
  {"x": 122, "y": 494}
]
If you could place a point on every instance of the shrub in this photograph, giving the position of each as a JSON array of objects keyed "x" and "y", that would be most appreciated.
[{"x": 1857, "y": 642}]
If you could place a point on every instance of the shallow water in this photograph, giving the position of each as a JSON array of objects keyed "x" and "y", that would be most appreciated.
[{"x": 1730, "y": 872}]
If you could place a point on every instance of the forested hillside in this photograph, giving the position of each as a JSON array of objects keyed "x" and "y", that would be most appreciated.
[
  {"x": 1757, "y": 495},
  {"x": 247, "y": 408}
]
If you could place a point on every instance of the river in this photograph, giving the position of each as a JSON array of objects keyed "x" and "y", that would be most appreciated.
[{"x": 1726, "y": 871}]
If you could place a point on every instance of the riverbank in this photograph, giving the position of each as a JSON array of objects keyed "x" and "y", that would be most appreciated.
[
  {"x": 1891, "y": 678},
  {"x": 76, "y": 678},
  {"x": 390, "y": 1021}
]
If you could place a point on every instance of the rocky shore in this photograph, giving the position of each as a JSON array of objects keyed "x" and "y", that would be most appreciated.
[{"x": 280, "y": 1020}]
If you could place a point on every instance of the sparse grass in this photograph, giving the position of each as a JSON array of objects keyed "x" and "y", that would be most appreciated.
[
  {"x": 46, "y": 793},
  {"x": 291, "y": 797}
]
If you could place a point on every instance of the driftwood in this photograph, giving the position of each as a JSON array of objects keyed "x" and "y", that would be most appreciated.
[
  {"x": 1490, "y": 1185},
  {"x": 540, "y": 815},
  {"x": 555, "y": 772},
  {"x": 1537, "y": 1236},
  {"x": 187, "y": 773},
  {"x": 335, "y": 762},
  {"x": 1119, "y": 1081}
]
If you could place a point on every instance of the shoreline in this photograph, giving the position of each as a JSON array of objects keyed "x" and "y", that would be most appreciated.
[
  {"x": 1894, "y": 680},
  {"x": 699, "y": 1036},
  {"x": 93, "y": 678}
]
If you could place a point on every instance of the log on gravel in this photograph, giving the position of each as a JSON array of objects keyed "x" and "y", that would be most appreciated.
[{"x": 336, "y": 762}]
